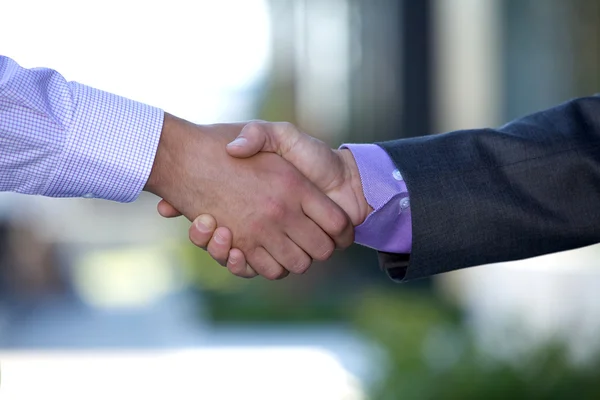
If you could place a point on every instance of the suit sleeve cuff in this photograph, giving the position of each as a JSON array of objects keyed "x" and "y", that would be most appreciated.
[{"x": 110, "y": 147}]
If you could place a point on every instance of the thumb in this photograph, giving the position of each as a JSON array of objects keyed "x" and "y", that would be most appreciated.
[
  {"x": 312, "y": 157},
  {"x": 256, "y": 137}
]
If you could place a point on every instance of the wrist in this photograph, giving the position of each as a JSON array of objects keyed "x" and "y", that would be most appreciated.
[
  {"x": 188, "y": 153},
  {"x": 165, "y": 163},
  {"x": 352, "y": 178}
]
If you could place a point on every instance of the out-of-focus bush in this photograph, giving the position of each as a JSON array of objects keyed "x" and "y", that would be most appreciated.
[
  {"x": 432, "y": 356},
  {"x": 324, "y": 294}
]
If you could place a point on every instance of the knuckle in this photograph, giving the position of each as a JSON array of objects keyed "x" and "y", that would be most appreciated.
[
  {"x": 344, "y": 244},
  {"x": 254, "y": 226},
  {"x": 286, "y": 127},
  {"x": 290, "y": 178},
  {"x": 252, "y": 127},
  {"x": 288, "y": 134},
  {"x": 338, "y": 223},
  {"x": 275, "y": 209},
  {"x": 256, "y": 122},
  {"x": 325, "y": 252}
]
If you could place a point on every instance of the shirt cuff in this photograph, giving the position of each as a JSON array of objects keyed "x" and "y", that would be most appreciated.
[
  {"x": 389, "y": 227},
  {"x": 110, "y": 148}
]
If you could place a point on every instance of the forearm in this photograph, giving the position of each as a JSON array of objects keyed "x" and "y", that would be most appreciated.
[
  {"x": 492, "y": 195},
  {"x": 64, "y": 139}
]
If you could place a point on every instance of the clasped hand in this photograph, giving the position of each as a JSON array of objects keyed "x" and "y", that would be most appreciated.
[{"x": 266, "y": 199}]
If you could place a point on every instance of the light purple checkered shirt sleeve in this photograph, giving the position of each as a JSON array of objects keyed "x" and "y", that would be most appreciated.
[
  {"x": 389, "y": 227},
  {"x": 64, "y": 139}
]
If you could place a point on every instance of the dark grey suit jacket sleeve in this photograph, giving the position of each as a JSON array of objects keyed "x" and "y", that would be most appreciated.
[{"x": 482, "y": 196}]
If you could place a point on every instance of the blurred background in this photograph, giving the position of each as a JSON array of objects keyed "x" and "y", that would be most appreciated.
[{"x": 101, "y": 299}]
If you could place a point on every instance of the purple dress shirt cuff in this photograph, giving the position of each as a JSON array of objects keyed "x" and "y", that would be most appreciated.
[
  {"x": 389, "y": 227},
  {"x": 110, "y": 147}
]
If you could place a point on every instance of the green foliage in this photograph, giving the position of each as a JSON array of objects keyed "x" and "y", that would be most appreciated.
[
  {"x": 204, "y": 273},
  {"x": 265, "y": 307},
  {"x": 231, "y": 299},
  {"x": 432, "y": 356}
]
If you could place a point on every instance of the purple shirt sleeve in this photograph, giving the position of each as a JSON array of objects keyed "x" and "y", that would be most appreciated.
[
  {"x": 389, "y": 227},
  {"x": 64, "y": 139}
]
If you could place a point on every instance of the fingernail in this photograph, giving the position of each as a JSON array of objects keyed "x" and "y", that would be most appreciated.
[
  {"x": 238, "y": 142},
  {"x": 233, "y": 260},
  {"x": 202, "y": 226},
  {"x": 219, "y": 239}
]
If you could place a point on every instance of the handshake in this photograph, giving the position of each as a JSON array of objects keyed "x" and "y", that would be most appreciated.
[{"x": 265, "y": 198}]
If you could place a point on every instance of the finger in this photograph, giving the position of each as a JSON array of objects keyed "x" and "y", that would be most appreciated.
[
  {"x": 167, "y": 210},
  {"x": 312, "y": 239},
  {"x": 202, "y": 229},
  {"x": 237, "y": 265},
  {"x": 220, "y": 244},
  {"x": 265, "y": 265},
  {"x": 287, "y": 253},
  {"x": 251, "y": 140},
  {"x": 329, "y": 217}
]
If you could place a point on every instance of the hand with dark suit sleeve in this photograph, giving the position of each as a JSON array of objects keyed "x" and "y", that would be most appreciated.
[
  {"x": 480, "y": 196},
  {"x": 332, "y": 171},
  {"x": 528, "y": 188}
]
